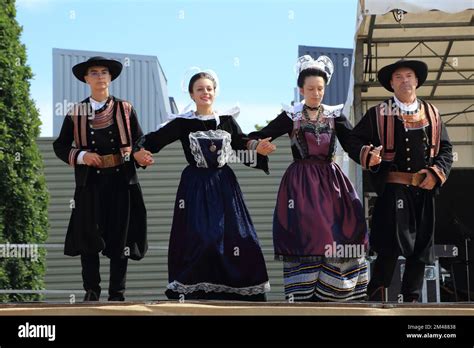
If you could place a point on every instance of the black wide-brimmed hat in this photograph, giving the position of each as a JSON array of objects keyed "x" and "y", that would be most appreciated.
[
  {"x": 80, "y": 70},
  {"x": 420, "y": 68}
]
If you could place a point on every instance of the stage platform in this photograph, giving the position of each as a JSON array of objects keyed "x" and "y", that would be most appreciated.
[{"x": 216, "y": 308}]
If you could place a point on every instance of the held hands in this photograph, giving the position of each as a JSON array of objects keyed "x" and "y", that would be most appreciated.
[
  {"x": 375, "y": 159},
  {"x": 265, "y": 147},
  {"x": 430, "y": 180},
  {"x": 143, "y": 157}
]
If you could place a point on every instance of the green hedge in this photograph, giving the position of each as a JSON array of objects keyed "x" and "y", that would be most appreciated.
[{"x": 23, "y": 193}]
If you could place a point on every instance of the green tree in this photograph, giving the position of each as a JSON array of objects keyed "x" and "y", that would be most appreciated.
[{"x": 23, "y": 193}]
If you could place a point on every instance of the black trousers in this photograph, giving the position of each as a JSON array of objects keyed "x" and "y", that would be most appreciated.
[
  {"x": 383, "y": 269},
  {"x": 91, "y": 275}
]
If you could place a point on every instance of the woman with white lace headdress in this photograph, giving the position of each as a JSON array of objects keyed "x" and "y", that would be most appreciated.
[
  {"x": 214, "y": 252},
  {"x": 319, "y": 229}
]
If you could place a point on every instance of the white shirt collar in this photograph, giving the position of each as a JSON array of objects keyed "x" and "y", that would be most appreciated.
[
  {"x": 411, "y": 107},
  {"x": 96, "y": 105}
]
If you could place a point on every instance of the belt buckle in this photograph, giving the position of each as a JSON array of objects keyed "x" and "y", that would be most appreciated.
[
  {"x": 108, "y": 161},
  {"x": 417, "y": 179}
]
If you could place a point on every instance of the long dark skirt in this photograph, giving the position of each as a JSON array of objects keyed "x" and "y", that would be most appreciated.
[
  {"x": 317, "y": 211},
  {"x": 108, "y": 215},
  {"x": 317, "y": 206},
  {"x": 214, "y": 252}
]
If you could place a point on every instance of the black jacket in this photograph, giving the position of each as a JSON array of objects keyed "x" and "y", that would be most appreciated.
[{"x": 65, "y": 147}]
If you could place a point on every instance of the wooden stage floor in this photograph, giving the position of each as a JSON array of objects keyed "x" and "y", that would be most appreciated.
[{"x": 211, "y": 308}]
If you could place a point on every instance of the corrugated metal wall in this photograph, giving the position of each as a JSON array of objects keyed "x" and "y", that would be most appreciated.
[
  {"x": 147, "y": 279},
  {"x": 142, "y": 82}
]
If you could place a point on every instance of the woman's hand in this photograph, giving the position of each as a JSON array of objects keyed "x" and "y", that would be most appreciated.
[
  {"x": 143, "y": 157},
  {"x": 265, "y": 147}
]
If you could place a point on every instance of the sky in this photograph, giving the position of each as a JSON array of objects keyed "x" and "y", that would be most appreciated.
[{"x": 252, "y": 45}]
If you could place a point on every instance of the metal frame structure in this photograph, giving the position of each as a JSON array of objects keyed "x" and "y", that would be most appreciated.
[{"x": 445, "y": 41}]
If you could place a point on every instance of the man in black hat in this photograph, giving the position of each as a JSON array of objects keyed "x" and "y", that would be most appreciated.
[
  {"x": 108, "y": 212},
  {"x": 406, "y": 148}
]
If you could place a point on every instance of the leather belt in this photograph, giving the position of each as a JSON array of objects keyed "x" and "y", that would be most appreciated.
[
  {"x": 109, "y": 161},
  {"x": 413, "y": 179}
]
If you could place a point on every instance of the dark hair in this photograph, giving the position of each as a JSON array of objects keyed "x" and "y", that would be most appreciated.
[
  {"x": 201, "y": 75},
  {"x": 310, "y": 72}
]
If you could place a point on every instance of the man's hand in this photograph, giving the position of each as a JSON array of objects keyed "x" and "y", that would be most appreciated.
[
  {"x": 430, "y": 180},
  {"x": 92, "y": 159},
  {"x": 265, "y": 147},
  {"x": 143, "y": 157},
  {"x": 375, "y": 159}
]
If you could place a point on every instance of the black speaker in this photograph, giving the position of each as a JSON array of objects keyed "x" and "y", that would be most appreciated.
[
  {"x": 455, "y": 226},
  {"x": 430, "y": 289}
]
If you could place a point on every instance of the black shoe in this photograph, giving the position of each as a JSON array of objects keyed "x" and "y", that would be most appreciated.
[
  {"x": 118, "y": 298},
  {"x": 377, "y": 295},
  {"x": 91, "y": 295},
  {"x": 411, "y": 298}
]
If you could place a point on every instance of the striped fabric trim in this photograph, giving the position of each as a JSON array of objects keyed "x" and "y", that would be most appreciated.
[
  {"x": 380, "y": 112},
  {"x": 107, "y": 111},
  {"x": 388, "y": 156},
  {"x": 326, "y": 293},
  {"x": 308, "y": 268},
  {"x": 408, "y": 120},
  {"x": 435, "y": 121},
  {"x": 102, "y": 121},
  {"x": 104, "y": 118},
  {"x": 124, "y": 110},
  {"x": 73, "y": 157},
  {"x": 83, "y": 120},
  {"x": 121, "y": 111},
  {"x": 365, "y": 156},
  {"x": 76, "y": 130},
  {"x": 325, "y": 281},
  {"x": 252, "y": 145},
  {"x": 127, "y": 108},
  {"x": 121, "y": 127},
  {"x": 386, "y": 130},
  {"x": 390, "y": 141},
  {"x": 80, "y": 125},
  {"x": 122, "y": 117},
  {"x": 348, "y": 275},
  {"x": 318, "y": 290}
]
